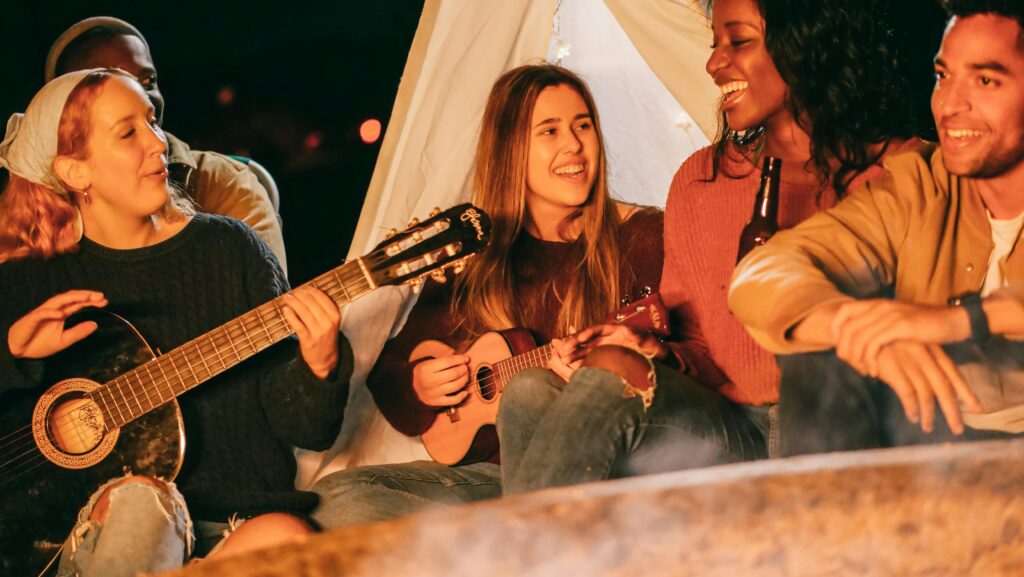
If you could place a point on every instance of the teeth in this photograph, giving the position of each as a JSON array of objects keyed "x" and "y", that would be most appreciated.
[
  {"x": 570, "y": 169},
  {"x": 963, "y": 133},
  {"x": 733, "y": 86}
]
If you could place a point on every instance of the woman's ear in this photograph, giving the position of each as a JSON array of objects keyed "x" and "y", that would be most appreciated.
[{"x": 73, "y": 173}]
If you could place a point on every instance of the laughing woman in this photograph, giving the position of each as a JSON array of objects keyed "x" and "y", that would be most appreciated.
[
  {"x": 87, "y": 220},
  {"x": 562, "y": 254},
  {"x": 813, "y": 82}
]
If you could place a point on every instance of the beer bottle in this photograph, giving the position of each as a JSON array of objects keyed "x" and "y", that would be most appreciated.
[{"x": 765, "y": 221}]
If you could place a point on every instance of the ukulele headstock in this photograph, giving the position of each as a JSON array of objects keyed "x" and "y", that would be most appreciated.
[{"x": 648, "y": 313}]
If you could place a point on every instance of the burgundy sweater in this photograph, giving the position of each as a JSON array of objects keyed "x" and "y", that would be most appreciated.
[
  {"x": 703, "y": 221},
  {"x": 539, "y": 267}
]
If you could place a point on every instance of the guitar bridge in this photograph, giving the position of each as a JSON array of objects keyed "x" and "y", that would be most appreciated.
[{"x": 453, "y": 414}]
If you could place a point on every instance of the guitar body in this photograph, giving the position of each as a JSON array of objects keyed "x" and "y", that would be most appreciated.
[
  {"x": 39, "y": 499},
  {"x": 466, "y": 432}
]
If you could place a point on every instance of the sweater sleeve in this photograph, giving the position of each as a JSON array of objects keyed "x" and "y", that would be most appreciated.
[
  {"x": 390, "y": 380},
  {"x": 847, "y": 252},
  {"x": 688, "y": 343},
  {"x": 302, "y": 409}
]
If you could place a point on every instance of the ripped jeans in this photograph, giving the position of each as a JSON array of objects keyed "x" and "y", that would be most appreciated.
[
  {"x": 145, "y": 530},
  {"x": 555, "y": 433}
]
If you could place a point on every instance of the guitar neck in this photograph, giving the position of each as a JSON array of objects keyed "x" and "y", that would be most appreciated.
[
  {"x": 505, "y": 369},
  {"x": 146, "y": 387}
]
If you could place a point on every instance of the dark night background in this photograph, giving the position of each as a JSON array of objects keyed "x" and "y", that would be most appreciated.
[{"x": 302, "y": 77}]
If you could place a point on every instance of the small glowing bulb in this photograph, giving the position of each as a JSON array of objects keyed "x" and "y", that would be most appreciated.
[
  {"x": 369, "y": 131},
  {"x": 563, "y": 50}
]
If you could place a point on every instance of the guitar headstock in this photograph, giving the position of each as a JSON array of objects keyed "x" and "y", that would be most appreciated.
[
  {"x": 647, "y": 313},
  {"x": 445, "y": 240}
]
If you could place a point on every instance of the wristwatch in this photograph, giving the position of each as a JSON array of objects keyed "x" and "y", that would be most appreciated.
[{"x": 971, "y": 302}]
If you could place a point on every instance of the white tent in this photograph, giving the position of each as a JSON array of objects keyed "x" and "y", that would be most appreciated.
[{"x": 644, "y": 61}]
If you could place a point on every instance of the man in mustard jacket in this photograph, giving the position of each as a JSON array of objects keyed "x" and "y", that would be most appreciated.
[{"x": 910, "y": 293}]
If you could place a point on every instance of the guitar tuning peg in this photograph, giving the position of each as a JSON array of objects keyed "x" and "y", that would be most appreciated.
[
  {"x": 391, "y": 233},
  {"x": 416, "y": 284},
  {"x": 459, "y": 266},
  {"x": 436, "y": 211},
  {"x": 413, "y": 222},
  {"x": 438, "y": 275}
]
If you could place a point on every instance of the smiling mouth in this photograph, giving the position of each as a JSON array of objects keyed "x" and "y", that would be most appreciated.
[
  {"x": 962, "y": 134},
  {"x": 732, "y": 90},
  {"x": 570, "y": 170}
]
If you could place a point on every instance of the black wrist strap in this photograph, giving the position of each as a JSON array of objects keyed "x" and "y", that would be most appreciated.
[{"x": 976, "y": 314}]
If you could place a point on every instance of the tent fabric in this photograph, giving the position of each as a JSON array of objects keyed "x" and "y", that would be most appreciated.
[{"x": 460, "y": 48}]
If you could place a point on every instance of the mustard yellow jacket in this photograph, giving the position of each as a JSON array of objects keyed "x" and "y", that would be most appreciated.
[{"x": 917, "y": 234}]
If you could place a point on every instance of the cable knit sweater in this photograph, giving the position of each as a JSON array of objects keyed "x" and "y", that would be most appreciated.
[
  {"x": 241, "y": 425},
  {"x": 540, "y": 268},
  {"x": 703, "y": 221}
]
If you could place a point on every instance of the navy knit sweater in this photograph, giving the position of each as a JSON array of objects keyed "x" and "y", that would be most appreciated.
[{"x": 241, "y": 425}]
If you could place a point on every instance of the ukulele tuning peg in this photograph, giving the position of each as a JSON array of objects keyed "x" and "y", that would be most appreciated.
[
  {"x": 625, "y": 300},
  {"x": 436, "y": 211},
  {"x": 646, "y": 291},
  {"x": 391, "y": 233},
  {"x": 438, "y": 275},
  {"x": 414, "y": 222}
]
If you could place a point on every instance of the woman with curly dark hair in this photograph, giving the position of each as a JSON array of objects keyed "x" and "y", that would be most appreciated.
[{"x": 811, "y": 82}]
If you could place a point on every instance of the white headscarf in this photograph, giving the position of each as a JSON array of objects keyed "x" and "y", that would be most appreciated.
[{"x": 30, "y": 145}]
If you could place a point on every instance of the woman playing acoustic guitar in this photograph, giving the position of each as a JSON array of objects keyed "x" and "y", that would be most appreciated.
[
  {"x": 87, "y": 220},
  {"x": 562, "y": 255}
]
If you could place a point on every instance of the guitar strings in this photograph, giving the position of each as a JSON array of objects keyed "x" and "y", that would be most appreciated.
[
  {"x": 505, "y": 369},
  {"x": 235, "y": 342},
  {"x": 25, "y": 441}
]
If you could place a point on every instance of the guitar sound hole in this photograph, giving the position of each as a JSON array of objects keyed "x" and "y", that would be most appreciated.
[
  {"x": 486, "y": 382},
  {"x": 75, "y": 425}
]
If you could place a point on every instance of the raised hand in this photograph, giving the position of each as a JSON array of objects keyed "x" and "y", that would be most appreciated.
[
  {"x": 42, "y": 333},
  {"x": 441, "y": 381},
  {"x": 315, "y": 318}
]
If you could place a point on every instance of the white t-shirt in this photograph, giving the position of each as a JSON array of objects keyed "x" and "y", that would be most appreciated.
[{"x": 1004, "y": 235}]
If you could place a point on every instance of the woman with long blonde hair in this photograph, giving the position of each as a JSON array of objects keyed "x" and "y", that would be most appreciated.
[{"x": 562, "y": 254}]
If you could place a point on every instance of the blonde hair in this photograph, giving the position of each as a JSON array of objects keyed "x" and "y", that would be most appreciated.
[
  {"x": 37, "y": 221},
  {"x": 485, "y": 292}
]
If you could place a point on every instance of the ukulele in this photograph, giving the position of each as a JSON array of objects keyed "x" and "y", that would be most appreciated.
[
  {"x": 465, "y": 432},
  {"x": 118, "y": 412}
]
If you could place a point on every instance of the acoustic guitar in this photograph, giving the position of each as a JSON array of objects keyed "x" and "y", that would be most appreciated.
[
  {"x": 112, "y": 407},
  {"x": 465, "y": 432}
]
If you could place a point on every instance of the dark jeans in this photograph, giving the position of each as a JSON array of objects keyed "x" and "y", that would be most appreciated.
[
  {"x": 825, "y": 406},
  {"x": 555, "y": 433}
]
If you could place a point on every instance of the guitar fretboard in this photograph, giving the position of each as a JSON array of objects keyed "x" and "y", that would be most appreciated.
[
  {"x": 505, "y": 369},
  {"x": 135, "y": 393}
]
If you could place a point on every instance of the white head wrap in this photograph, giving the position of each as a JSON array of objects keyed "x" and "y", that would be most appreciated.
[{"x": 30, "y": 145}]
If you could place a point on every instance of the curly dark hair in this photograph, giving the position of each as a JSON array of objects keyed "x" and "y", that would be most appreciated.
[
  {"x": 845, "y": 89},
  {"x": 1007, "y": 8}
]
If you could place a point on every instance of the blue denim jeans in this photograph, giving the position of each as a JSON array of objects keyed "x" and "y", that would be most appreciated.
[
  {"x": 146, "y": 530},
  {"x": 555, "y": 433},
  {"x": 384, "y": 492}
]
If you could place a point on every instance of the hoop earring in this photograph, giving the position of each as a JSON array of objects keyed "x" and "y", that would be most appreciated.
[{"x": 79, "y": 226}]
